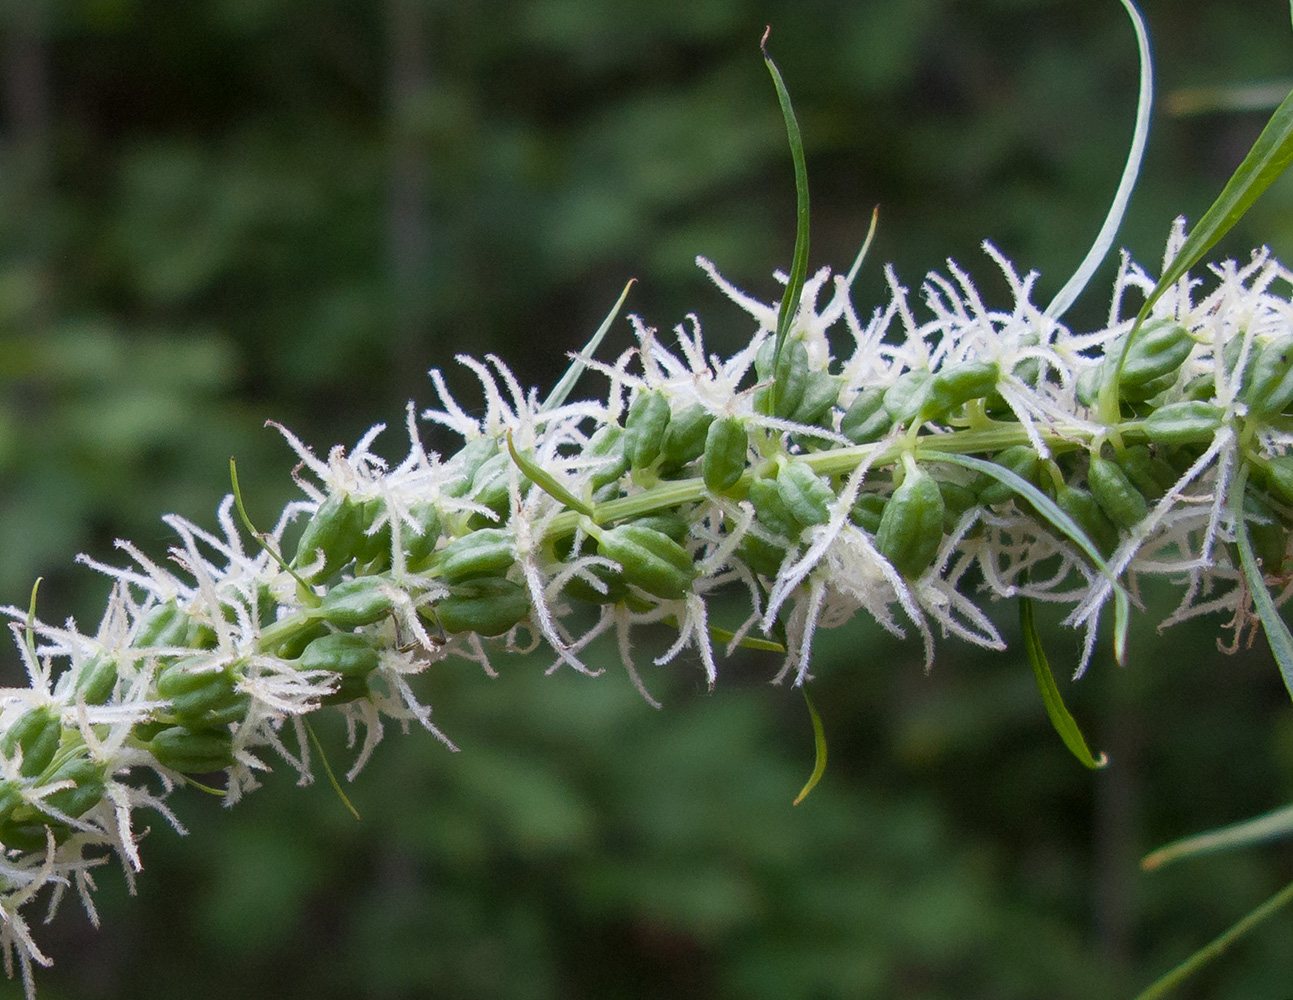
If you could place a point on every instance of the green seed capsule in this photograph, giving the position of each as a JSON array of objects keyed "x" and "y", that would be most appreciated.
[
  {"x": 419, "y": 546},
  {"x": 87, "y": 791},
  {"x": 727, "y": 446},
  {"x": 373, "y": 546},
  {"x": 905, "y": 399},
  {"x": 202, "y": 750},
  {"x": 1186, "y": 422},
  {"x": 488, "y": 607},
  {"x": 666, "y": 522},
  {"x": 645, "y": 429},
  {"x": 469, "y": 459},
  {"x": 866, "y": 419},
  {"x": 684, "y": 438},
  {"x": 581, "y": 590},
  {"x": 1271, "y": 387},
  {"x": 1279, "y": 477},
  {"x": 789, "y": 380},
  {"x": 335, "y": 530},
  {"x": 1020, "y": 459},
  {"x": 771, "y": 510},
  {"x": 606, "y": 445},
  {"x": 484, "y": 552},
  {"x": 1160, "y": 348},
  {"x": 1082, "y": 507},
  {"x": 492, "y": 485},
  {"x": 806, "y": 496},
  {"x": 97, "y": 679},
  {"x": 201, "y": 696},
  {"x": 821, "y": 390},
  {"x": 1115, "y": 493},
  {"x": 37, "y": 733},
  {"x": 343, "y": 653},
  {"x": 867, "y": 511},
  {"x": 649, "y": 559},
  {"x": 955, "y": 386},
  {"x": 164, "y": 625},
  {"x": 1151, "y": 475},
  {"x": 357, "y": 602},
  {"x": 911, "y": 527},
  {"x": 957, "y": 499}
]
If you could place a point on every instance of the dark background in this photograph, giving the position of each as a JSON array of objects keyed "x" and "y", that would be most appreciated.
[{"x": 216, "y": 212}]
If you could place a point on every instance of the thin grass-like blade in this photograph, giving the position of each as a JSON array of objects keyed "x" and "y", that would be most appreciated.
[
  {"x": 799, "y": 260},
  {"x": 1061, "y": 718},
  {"x": 1048, "y": 509},
  {"x": 1130, "y": 171},
  {"x": 562, "y": 389},
  {"x": 1277, "y": 632},
  {"x": 819, "y": 749},
  {"x": 1206, "y": 954},
  {"x": 546, "y": 481},
  {"x": 1274, "y": 825}
]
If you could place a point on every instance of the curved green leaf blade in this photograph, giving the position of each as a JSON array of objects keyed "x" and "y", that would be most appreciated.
[
  {"x": 1269, "y": 826},
  {"x": 1061, "y": 718},
  {"x": 546, "y": 481},
  {"x": 1126, "y": 184},
  {"x": 1213, "y": 949},
  {"x": 562, "y": 389},
  {"x": 819, "y": 747},
  {"x": 799, "y": 260}
]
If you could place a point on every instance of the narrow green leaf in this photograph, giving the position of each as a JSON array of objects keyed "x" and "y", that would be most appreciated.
[
  {"x": 327, "y": 768},
  {"x": 799, "y": 260},
  {"x": 546, "y": 482},
  {"x": 567, "y": 382},
  {"x": 1258, "y": 830},
  {"x": 1061, "y": 718},
  {"x": 1277, "y": 632},
  {"x": 1206, "y": 954},
  {"x": 1130, "y": 171},
  {"x": 747, "y": 642},
  {"x": 1048, "y": 509},
  {"x": 304, "y": 590},
  {"x": 866, "y": 245},
  {"x": 1269, "y": 157},
  {"x": 819, "y": 749}
]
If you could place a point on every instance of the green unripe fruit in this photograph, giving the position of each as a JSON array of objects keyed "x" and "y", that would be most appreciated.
[
  {"x": 418, "y": 546},
  {"x": 684, "y": 438},
  {"x": 1186, "y": 422},
  {"x": 1279, "y": 477},
  {"x": 866, "y": 419},
  {"x": 1158, "y": 350},
  {"x": 488, "y": 607},
  {"x": 867, "y": 511},
  {"x": 805, "y": 495},
  {"x": 356, "y": 602},
  {"x": 906, "y": 398},
  {"x": 1114, "y": 492},
  {"x": 821, "y": 391},
  {"x": 343, "y": 653},
  {"x": 465, "y": 464},
  {"x": 911, "y": 527},
  {"x": 97, "y": 679},
  {"x": 607, "y": 445},
  {"x": 1020, "y": 459},
  {"x": 335, "y": 529},
  {"x": 770, "y": 509},
  {"x": 1082, "y": 507},
  {"x": 1151, "y": 475},
  {"x": 1270, "y": 389},
  {"x": 761, "y": 556},
  {"x": 164, "y": 625},
  {"x": 87, "y": 791},
  {"x": 202, "y": 697},
  {"x": 666, "y": 522},
  {"x": 373, "y": 546},
  {"x": 955, "y": 386},
  {"x": 645, "y": 429},
  {"x": 37, "y": 733},
  {"x": 484, "y": 552},
  {"x": 202, "y": 750},
  {"x": 649, "y": 559},
  {"x": 727, "y": 447}
]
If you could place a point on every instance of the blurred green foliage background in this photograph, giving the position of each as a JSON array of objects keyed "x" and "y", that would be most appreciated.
[{"x": 217, "y": 212}]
